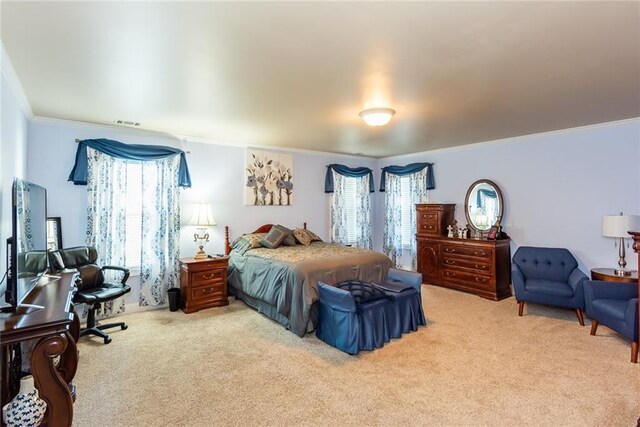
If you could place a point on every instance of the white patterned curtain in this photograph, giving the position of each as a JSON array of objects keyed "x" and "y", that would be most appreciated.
[
  {"x": 25, "y": 237},
  {"x": 396, "y": 201},
  {"x": 160, "y": 230},
  {"x": 351, "y": 211},
  {"x": 106, "y": 215}
]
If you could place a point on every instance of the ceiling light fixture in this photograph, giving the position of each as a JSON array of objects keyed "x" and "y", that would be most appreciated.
[{"x": 377, "y": 116}]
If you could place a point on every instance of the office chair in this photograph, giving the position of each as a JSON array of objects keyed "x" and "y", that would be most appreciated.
[{"x": 93, "y": 290}]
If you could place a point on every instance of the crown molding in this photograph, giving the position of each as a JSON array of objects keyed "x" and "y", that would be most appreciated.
[
  {"x": 185, "y": 140},
  {"x": 9, "y": 73},
  {"x": 512, "y": 139}
]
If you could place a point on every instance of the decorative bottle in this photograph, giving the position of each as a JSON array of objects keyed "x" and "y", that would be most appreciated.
[{"x": 26, "y": 409}]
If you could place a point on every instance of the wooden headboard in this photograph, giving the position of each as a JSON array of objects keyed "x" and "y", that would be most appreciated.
[{"x": 262, "y": 229}]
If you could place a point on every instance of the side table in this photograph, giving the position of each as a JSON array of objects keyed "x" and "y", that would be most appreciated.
[
  {"x": 203, "y": 283},
  {"x": 608, "y": 275}
]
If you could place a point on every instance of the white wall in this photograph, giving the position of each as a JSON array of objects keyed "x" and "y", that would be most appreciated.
[
  {"x": 13, "y": 158},
  {"x": 217, "y": 174},
  {"x": 556, "y": 186}
]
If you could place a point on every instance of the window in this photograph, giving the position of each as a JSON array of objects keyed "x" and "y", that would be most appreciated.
[
  {"x": 134, "y": 216},
  {"x": 406, "y": 209},
  {"x": 350, "y": 208}
]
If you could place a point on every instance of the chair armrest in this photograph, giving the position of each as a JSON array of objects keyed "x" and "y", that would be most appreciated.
[
  {"x": 612, "y": 290},
  {"x": 336, "y": 298},
  {"x": 576, "y": 277},
  {"x": 517, "y": 278},
  {"x": 410, "y": 278},
  {"x": 123, "y": 269}
]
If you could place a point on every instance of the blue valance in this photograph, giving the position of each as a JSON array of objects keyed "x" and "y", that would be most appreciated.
[
  {"x": 408, "y": 170},
  {"x": 347, "y": 171},
  {"x": 119, "y": 150},
  {"x": 482, "y": 193}
]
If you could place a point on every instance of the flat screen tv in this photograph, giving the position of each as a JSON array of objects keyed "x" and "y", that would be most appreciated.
[{"x": 27, "y": 251}]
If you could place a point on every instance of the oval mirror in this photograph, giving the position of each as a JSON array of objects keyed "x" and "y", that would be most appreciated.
[{"x": 483, "y": 205}]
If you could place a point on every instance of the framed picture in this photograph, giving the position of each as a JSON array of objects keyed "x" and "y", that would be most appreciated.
[
  {"x": 494, "y": 233},
  {"x": 268, "y": 178}
]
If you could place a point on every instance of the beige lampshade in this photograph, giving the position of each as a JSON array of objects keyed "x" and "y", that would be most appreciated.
[
  {"x": 202, "y": 216},
  {"x": 620, "y": 225}
]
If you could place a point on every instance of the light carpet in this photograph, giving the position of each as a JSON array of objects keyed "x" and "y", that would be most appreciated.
[{"x": 475, "y": 363}]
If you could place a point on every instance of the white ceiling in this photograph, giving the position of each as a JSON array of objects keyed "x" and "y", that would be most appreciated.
[{"x": 297, "y": 74}]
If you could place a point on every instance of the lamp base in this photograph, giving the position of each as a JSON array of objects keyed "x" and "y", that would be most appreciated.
[
  {"x": 622, "y": 272},
  {"x": 201, "y": 253}
]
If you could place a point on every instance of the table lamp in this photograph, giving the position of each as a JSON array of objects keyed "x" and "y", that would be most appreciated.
[
  {"x": 618, "y": 226},
  {"x": 202, "y": 219}
]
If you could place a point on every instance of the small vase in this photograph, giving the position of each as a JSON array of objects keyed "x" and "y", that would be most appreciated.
[{"x": 26, "y": 409}]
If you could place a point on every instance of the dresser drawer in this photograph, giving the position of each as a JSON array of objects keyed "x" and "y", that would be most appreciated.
[
  {"x": 210, "y": 276},
  {"x": 208, "y": 292},
  {"x": 467, "y": 251},
  {"x": 479, "y": 266},
  {"x": 430, "y": 227},
  {"x": 469, "y": 279}
]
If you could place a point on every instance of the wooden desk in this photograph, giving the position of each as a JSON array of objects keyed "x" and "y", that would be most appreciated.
[
  {"x": 608, "y": 275},
  {"x": 56, "y": 328}
]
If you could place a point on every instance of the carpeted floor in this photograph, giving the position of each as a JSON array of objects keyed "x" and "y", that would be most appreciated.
[{"x": 475, "y": 363}]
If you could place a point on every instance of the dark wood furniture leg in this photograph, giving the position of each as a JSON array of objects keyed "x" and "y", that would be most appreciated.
[
  {"x": 579, "y": 314},
  {"x": 634, "y": 344},
  {"x": 594, "y": 326},
  {"x": 53, "y": 388},
  {"x": 520, "y": 307}
]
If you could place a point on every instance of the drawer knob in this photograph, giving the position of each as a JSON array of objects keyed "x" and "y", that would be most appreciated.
[
  {"x": 449, "y": 261},
  {"x": 450, "y": 274},
  {"x": 449, "y": 250},
  {"x": 209, "y": 276},
  {"x": 480, "y": 279},
  {"x": 481, "y": 267},
  {"x": 207, "y": 291}
]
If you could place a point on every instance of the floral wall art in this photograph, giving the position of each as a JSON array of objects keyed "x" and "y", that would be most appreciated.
[{"x": 269, "y": 178}]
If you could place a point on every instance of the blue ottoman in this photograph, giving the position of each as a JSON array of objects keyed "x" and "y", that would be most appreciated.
[
  {"x": 403, "y": 288},
  {"x": 353, "y": 316}
]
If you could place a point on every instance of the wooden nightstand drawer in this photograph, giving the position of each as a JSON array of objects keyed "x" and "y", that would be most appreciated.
[
  {"x": 207, "y": 292},
  {"x": 203, "y": 283},
  {"x": 204, "y": 277}
]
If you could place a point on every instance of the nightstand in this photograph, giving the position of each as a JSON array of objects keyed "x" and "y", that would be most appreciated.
[
  {"x": 608, "y": 275},
  {"x": 203, "y": 283}
]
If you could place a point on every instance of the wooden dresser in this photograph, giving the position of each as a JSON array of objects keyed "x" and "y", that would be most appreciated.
[
  {"x": 203, "y": 283},
  {"x": 433, "y": 218},
  {"x": 482, "y": 267}
]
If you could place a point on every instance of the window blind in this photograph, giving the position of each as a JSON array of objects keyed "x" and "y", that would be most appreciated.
[{"x": 350, "y": 203}]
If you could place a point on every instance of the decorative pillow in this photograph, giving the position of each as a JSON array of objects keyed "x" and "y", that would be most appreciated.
[
  {"x": 273, "y": 238},
  {"x": 314, "y": 237},
  {"x": 249, "y": 241},
  {"x": 289, "y": 240},
  {"x": 302, "y": 236}
]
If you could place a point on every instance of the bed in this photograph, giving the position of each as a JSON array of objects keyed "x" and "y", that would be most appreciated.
[{"x": 282, "y": 283}]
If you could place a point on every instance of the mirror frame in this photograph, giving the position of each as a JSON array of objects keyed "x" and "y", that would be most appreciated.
[
  {"x": 57, "y": 238},
  {"x": 479, "y": 232}
]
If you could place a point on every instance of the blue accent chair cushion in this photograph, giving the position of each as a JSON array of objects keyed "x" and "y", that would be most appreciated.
[
  {"x": 548, "y": 276},
  {"x": 350, "y": 325},
  {"x": 615, "y": 305},
  {"x": 403, "y": 288}
]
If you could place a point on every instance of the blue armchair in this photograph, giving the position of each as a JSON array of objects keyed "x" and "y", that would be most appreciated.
[
  {"x": 548, "y": 276},
  {"x": 614, "y": 304}
]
